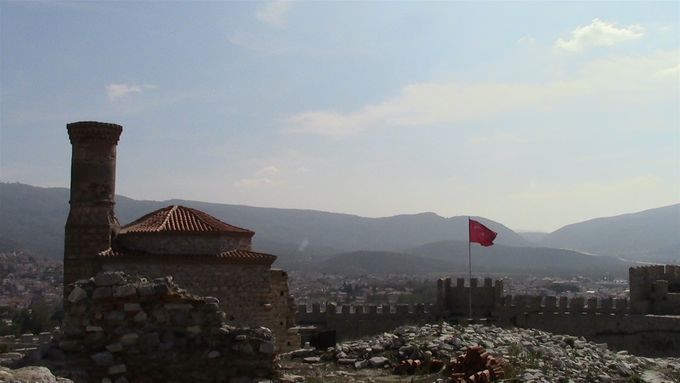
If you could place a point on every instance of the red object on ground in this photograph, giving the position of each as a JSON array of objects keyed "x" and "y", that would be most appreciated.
[{"x": 481, "y": 234}]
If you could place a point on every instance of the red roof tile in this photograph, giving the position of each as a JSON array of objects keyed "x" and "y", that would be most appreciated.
[
  {"x": 180, "y": 219},
  {"x": 233, "y": 256}
]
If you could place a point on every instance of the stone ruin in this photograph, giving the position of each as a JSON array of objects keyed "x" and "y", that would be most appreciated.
[{"x": 120, "y": 328}]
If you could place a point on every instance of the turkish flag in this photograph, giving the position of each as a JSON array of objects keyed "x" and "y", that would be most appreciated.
[{"x": 481, "y": 234}]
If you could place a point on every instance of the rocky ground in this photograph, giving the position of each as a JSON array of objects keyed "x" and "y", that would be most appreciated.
[
  {"x": 525, "y": 356},
  {"x": 529, "y": 355}
]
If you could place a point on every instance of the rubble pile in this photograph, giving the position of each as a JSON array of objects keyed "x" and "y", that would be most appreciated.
[
  {"x": 487, "y": 353},
  {"x": 120, "y": 328},
  {"x": 476, "y": 366}
]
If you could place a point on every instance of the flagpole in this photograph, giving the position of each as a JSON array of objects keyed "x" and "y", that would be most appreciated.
[{"x": 469, "y": 274}]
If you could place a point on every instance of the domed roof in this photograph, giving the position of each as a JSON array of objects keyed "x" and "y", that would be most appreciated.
[{"x": 181, "y": 219}]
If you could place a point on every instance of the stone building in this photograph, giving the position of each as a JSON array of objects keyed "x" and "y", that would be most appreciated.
[{"x": 203, "y": 254}]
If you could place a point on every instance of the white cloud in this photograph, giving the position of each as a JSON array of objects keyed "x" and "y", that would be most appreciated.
[
  {"x": 274, "y": 12},
  {"x": 266, "y": 176},
  {"x": 118, "y": 91},
  {"x": 431, "y": 103},
  {"x": 254, "y": 182},
  {"x": 268, "y": 171},
  {"x": 526, "y": 40},
  {"x": 598, "y": 33}
]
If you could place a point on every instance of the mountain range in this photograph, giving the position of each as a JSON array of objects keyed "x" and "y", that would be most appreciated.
[{"x": 32, "y": 218}]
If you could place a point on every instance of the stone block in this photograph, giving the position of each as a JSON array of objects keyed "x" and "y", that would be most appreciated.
[
  {"x": 131, "y": 307},
  {"x": 109, "y": 278},
  {"x": 129, "y": 339},
  {"x": 77, "y": 295},
  {"x": 103, "y": 358},
  {"x": 117, "y": 369},
  {"x": 102, "y": 292},
  {"x": 124, "y": 291}
]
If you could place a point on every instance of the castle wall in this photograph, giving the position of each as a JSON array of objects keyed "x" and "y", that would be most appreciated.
[
  {"x": 655, "y": 289},
  {"x": 456, "y": 299},
  {"x": 120, "y": 328},
  {"x": 352, "y": 321},
  {"x": 177, "y": 243},
  {"x": 604, "y": 320}
]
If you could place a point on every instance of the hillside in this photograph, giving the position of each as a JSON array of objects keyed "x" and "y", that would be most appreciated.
[
  {"x": 34, "y": 218},
  {"x": 525, "y": 260},
  {"x": 377, "y": 262},
  {"x": 651, "y": 235}
]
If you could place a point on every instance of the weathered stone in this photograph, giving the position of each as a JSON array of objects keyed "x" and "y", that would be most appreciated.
[
  {"x": 213, "y": 354},
  {"x": 140, "y": 317},
  {"x": 178, "y": 306},
  {"x": 114, "y": 347},
  {"x": 267, "y": 348},
  {"x": 129, "y": 339},
  {"x": 117, "y": 369},
  {"x": 378, "y": 361},
  {"x": 109, "y": 278},
  {"x": 115, "y": 316},
  {"x": 131, "y": 307},
  {"x": 124, "y": 291},
  {"x": 312, "y": 359},
  {"x": 102, "y": 292},
  {"x": 103, "y": 358},
  {"x": 77, "y": 295}
]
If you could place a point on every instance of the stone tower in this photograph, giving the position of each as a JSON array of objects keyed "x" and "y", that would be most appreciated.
[{"x": 91, "y": 222}]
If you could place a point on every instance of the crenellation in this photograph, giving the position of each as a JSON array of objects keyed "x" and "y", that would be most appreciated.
[
  {"x": 550, "y": 303},
  {"x": 576, "y": 305}
]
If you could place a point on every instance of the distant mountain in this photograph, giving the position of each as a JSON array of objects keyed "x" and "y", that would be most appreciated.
[
  {"x": 536, "y": 237},
  {"x": 451, "y": 256},
  {"x": 379, "y": 262},
  {"x": 34, "y": 218},
  {"x": 651, "y": 235},
  {"x": 523, "y": 260}
]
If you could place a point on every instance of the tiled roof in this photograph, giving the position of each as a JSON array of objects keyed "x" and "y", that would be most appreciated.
[
  {"x": 180, "y": 219},
  {"x": 236, "y": 256}
]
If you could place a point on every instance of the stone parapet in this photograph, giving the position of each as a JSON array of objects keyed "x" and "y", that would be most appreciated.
[{"x": 123, "y": 327}]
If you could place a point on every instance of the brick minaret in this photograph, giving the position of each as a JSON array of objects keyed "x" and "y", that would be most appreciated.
[{"x": 91, "y": 220}]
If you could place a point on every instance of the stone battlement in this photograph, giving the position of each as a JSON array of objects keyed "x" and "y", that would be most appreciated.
[
  {"x": 358, "y": 320},
  {"x": 454, "y": 300},
  {"x": 655, "y": 289},
  {"x": 564, "y": 305}
]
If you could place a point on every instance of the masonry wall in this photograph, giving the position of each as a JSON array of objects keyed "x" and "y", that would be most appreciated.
[
  {"x": 177, "y": 243},
  {"x": 123, "y": 328},
  {"x": 248, "y": 294},
  {"x": 604, "y": 320},
  {"x": 244, "y": 291},
  {"x": 456, "y": 299},
  {"x": 655, "y": 289},
  {"x": 352, "y": 321}
]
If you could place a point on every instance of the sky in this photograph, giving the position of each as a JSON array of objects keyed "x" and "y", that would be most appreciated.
[{"x": 533, "y": 114}]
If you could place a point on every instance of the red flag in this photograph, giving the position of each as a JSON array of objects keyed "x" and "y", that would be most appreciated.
[{"x": 481, "y": 234}]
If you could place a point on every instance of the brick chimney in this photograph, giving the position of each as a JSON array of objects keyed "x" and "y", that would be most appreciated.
[{"x": 91, "y": 222}]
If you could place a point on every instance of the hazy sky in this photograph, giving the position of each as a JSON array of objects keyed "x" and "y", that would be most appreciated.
[{"x": 534, "y": 114}]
